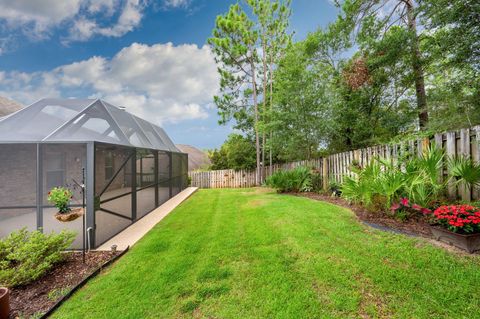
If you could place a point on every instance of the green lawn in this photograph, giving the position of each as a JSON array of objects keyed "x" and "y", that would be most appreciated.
[{"x": 256, "y": 254}]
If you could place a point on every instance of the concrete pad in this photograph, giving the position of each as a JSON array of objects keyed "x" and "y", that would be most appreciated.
[{"x": 134, "y": 232}]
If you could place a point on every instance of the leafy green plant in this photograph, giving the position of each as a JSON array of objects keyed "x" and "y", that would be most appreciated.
[
  {"x": 464, "y": 171},
  {"x": 381, "y": 183},
  {"x": 363, "y": 188},
  {"x": 25, "y": 256},
  {"x": 316, "y": 181},
  {"x": 334, "y": 187},
  {"x": 60, "y": 197},
  {"x": 298, "y": 179},
  {"x": 424, "y": 185},
  {"x": 189, "y": 181}
]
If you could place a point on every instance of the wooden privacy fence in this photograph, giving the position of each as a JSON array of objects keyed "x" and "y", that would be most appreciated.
[
  {"x": 229, "y": 178},
  {"x": 335, "y": 167}
]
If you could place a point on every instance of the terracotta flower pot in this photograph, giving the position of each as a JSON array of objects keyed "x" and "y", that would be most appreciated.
[
  {"x": 4, "y": 303},
  {"x": 73, "y": 214},
  {"x": 468, "y": 242}
]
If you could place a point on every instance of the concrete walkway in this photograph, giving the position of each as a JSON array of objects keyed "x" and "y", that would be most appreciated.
[{"x": 134, "y": 232}]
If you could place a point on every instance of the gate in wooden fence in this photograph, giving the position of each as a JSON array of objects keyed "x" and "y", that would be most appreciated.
[{"x": 335, "y": 167}]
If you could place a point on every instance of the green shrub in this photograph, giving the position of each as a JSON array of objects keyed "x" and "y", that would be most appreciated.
[
  {"x": 334, "y": 187},
  {"x": 26, "y": 256},
  {"x": 316, "y": 181},
  {"x": 296, "y": 180},
  {"x": 464, "y": 171},
  {"x": 381, "y": 183}
]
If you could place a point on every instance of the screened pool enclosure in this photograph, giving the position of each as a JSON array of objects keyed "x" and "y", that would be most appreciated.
[{"x": 131, "y": 167}]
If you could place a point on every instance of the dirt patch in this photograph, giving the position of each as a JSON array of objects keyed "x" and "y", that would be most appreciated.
[
  {"x": 257, "y": 203},
  {"x": 36, "y": 298},
  {"x": 259, "y": 190}
]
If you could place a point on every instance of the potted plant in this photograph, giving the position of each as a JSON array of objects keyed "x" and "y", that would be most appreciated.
[
  {"x": 4, "y": 302},
  {"x": 60, "y": 197},
  {"x": 458, "y": 225}
]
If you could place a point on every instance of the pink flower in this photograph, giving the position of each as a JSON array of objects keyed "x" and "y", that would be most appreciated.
[
  {"x": 426, "y": 211},
  {"x": 404, "y": 202},
  {"x": 395, "y": 207},
  {"x": 417, "y": 207}
]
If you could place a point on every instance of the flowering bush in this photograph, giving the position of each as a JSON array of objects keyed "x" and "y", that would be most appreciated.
[
  {"x": 60, "y": 197},
  {"x": 403, "y": 209},
  {"x": 459, "y": 218}
]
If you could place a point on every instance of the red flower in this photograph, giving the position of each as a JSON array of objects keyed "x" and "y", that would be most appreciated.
[
  {"x": 458, "y": 217},
  {"x": 404, "y": 202}
]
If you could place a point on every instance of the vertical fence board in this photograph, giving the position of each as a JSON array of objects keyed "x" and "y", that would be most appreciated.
[
  {"x": 465, "y": 191},
  {"x": 451, "y": 150},
  {"x": 476, "y": 156}
]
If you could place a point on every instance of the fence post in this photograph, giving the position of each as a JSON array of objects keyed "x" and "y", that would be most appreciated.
[
  {"x": 476, "y": 155},
  {"x": 325, "y": 173},
  {"x": 465, "y": 191}
]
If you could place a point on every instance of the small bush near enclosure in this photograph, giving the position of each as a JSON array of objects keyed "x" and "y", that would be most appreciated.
[
  {"x": 300, "y": 179},
  {"x": 26, "y": 256}
]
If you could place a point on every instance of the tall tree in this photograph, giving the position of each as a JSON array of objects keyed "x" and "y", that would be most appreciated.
[
  {"x": 234, "y": 43},
  {"x": 273, "y": 21},
  {"x": 301, "y": 109},
  {"x": 247, "y": 47},
  {"x": 370, "y": 21},
  {"x": 453, "y": 46}
]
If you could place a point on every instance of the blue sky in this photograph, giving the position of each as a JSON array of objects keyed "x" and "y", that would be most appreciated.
[{"x": 149, "y": 56}]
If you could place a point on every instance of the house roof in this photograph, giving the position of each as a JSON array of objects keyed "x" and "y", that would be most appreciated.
[{"x": 67, "y": 120}]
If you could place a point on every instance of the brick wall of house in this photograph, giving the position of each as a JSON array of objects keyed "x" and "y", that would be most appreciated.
[{"x": 18, "y": 167}]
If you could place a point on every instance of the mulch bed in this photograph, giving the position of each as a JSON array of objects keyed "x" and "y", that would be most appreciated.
[
  {"x": 36, "y": 298},
  {"x": 418, "y": 227}
]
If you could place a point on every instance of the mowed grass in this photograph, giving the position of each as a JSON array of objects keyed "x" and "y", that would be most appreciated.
[{"x": 251, "y": 253}]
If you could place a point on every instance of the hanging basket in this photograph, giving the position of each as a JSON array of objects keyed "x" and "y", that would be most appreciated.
[{"x": 73, "y": 214}]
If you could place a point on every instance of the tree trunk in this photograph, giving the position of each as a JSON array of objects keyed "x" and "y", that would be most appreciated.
[
  {"x": 264, "y": 61},
  {"x": 255, "y": 104},
  {"x": 417, "y": 67},
  {"x": 271, "y": 108}
]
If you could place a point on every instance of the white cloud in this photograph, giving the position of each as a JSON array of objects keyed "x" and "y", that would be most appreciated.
[
  {"x": 176, "y": 3},
  {"x": 105, "y": 6},
  {"x": 82, "y": 18},
  {"x": 161, "y": 83},
  {"x": 130, "y": 17}
]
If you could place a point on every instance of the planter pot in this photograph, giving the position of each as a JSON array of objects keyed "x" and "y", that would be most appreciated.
[
  {"x": 73, "y": 214},
  {"x": 4, "y": 303},
  {"x": 470, "y": 242}
]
